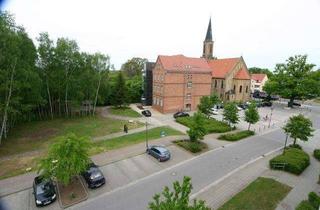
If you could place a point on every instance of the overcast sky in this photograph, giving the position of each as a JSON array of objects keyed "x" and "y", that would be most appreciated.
[{"x": 263, "y": 32}]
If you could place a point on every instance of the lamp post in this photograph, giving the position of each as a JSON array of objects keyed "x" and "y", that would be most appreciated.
[
  {"x": 147, "y": 146},
  {"x": 285, "y": 144},
  {"x": 270, "y": 117}
]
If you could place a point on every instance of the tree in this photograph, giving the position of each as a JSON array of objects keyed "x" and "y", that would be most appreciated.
[
  {"x": 299, "y": 127},
  {"x": 133, "y": 67},
  {"x": 230, "y": 113},
  {"x": 134, "y": 87},
  {"x": 66, "y": 158},
  {"x": 119, "y": 97},
  {"x": 251, "y": 114},
  {"x": 179, "y": 199},
  {"x": 293, "y": 80},
  {"x": 197, "y": 129},
  {"x": 257, "y": 70},
  {"x": 207, "y": 103}
]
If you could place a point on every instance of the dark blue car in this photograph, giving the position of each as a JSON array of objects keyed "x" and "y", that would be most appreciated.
[
  {"x": 159, "y": 152},
  {"x": 44, "y": 191},
  {"x": 93, "y": 176}
]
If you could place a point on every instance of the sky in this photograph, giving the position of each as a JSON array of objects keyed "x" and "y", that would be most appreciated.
[{"x": 264, "y": 32}]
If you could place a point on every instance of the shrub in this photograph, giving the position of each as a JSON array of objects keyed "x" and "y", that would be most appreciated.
[
  {"x": 297, "y": 146},
  {"x": 305, "y": 205},
  {"x": 316, "y": 154},
  {"x": 211, "y": 125},
  {"x": 295, "y": 160},
  {"x": 314, "y": 199},
  {"x": 191, "y": 146},
  {"x": 236, "y": 136}
]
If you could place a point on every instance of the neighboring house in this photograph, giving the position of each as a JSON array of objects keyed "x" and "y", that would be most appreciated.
[
  {"x": 258, "y": 81},
  {"x": 179, "y": 82}
]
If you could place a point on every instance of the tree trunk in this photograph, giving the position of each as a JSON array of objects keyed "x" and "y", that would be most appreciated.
[
  {"x": 5, "y": 115},
  {"x": 294, "y": 141},
  {"x": 290, "y": 104},
  {"x": 49, "y": 97},
  {"x": 96, "y": 98},
  {"x": 249, "y": 126}
]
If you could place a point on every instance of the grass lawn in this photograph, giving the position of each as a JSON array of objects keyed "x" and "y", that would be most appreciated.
[
  {"x": 193, "y": 147},
  {"x": 38, "y": 135},
  {"x": 124, "y": 111},
  {"x": 236, "y": 136},
  {"x": 211, "y": 125},
  {"x": 131, "y": 139},
  {"x": 262, "y": 194}
]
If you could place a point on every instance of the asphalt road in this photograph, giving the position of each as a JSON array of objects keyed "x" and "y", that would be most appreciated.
[{"x": 203, "y": 169}]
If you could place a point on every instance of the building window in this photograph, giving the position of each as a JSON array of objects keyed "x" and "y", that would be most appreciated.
[
  {"x": 215, "y": 83},
  {"x": 221, "y": 83},
  {"x": 240, "y": 89},
  {"x": 234, "y": 88},
  {"x": 188, "y": 96},
  {"x": 189, "y": 84},
  {"x": 247, "y": 89}
]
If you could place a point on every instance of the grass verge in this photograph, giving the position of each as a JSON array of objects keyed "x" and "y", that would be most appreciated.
[
  {"x": 294, "y": 161},
  {"x": 262, "y": 194},
  {"x": 191, "y": 146},
  {"x": 316, "y": 154},
  {"x": 131, "y": 139},
  {"x": 124, "y": 111},
  {"x": 211, "y": 125},
  {"x": 312, "y": 203},
  {"x": 236, "y": 136}
]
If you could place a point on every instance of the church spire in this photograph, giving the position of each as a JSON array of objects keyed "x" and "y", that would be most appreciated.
[
  {"x": 208, "y": 43},
  {"x": 209, "y": 32}
]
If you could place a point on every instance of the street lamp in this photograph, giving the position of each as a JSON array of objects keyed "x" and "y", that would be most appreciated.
[
  {"x": 147, "y": 146},
  {"x": 270, "y": 117},
  {"x": 285, "y": 144}
]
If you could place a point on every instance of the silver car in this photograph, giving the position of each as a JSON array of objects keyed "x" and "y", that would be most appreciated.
[{"x": 159, "y": 152}]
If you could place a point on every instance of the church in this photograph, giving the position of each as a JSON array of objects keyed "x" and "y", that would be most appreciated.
[{"x": 178, "y": 82}]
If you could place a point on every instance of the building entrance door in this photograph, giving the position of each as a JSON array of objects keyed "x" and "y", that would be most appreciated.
[{"x": 188, "y": 107}]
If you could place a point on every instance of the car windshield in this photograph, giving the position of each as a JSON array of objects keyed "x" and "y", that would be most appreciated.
[
  {"x": 162, "y": 150},
  {"x": 44, "y": 189},
  {"x": 96, "y": 175}
]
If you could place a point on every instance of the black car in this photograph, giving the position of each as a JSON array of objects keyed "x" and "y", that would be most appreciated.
[
  {"x": 159, "y": 152},
  {"x": 181, "y": 114},
  {"x": 294, "y": 104},
  {"x": 44, "y": 191},
  {"x": 267, "y": 103},
  {"x": 146, "y": 113},
  {"x": 93, "y": 176}
]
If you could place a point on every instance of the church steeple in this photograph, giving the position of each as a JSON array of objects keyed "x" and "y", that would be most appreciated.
[{"x": 208, "y": 43}]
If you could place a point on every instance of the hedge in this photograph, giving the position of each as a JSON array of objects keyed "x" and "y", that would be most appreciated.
[
  {"x": 192, "y": 146},
  {"x": 295, "y": 160},
  {"x": 314, "y": 200},
  {"x": 297, "y": 146},
  {"x": 236, "y": 136},
  {"x": 316, "y": 154},
  {"x": 305, "y": 205},
  {"x": 211, "y": 125}
]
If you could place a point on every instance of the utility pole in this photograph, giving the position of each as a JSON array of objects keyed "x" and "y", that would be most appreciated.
[
  {"x": 147, "y": 146},
  {"x": 270, "y": 117},
  {"x": 285, "y": 144}
]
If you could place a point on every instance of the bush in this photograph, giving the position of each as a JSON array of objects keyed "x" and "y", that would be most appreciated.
[
  {"x": 305, "y": 205},
  {"x": 316, "y": 154},
  {"x": 295, "y": 160},
  {"x": 191, "y": 146},
  {"x": 297, "y": 146},
  {"x": 314, "y": 199},
  {"x": 236, "y": 136},
  {"x": 211, "y": 125}
]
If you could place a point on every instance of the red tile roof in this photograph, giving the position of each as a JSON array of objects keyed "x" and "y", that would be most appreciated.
[
  {"x": 242, "y": 74},
  {"x": 258, "y": 77},
  {"x": 220, "y": 67},
  {"x": 181, "y": 62}
]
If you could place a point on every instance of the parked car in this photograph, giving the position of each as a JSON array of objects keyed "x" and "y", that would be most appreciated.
[
  {"x": 181, "y": 114},
  {"x": 93, "y": 176},
  {"x": 159, "y": 152},
  {"x": 146, "y": 113},
  {"x": 214, "y": 111},
  {"x": 44, "y": 191},
  {"x": 295, "y": 104},
  {"x": 266, "y": 103}
]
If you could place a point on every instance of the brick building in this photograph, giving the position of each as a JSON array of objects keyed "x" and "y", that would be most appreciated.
[{"x": 179, "y": 81}]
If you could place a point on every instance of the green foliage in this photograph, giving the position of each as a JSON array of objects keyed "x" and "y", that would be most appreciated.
[
  {"x": 299, "y": 127},
  {"x": 294, "y": 79},
  {"x": 124, "y": 111},
  {"x": 251, "y": 114},
  {"x": 192, "y": 146},
  {"x": 236, "y": 136},
  {"x": 305, "y": 205},
  {"x": 120, "y": 92},
  {"x": 297, "y": 146},
  {"x": 66, "y": 158},
  {"x": 208, "y": 102},
  {"x": 256, "y": 70},
  {"x": 134, "y": 89},
  {"x": 316, "y": 154},
  {"x": 211, "y": 125},
  {"x": 296, "y": 161},
  {"x": 133, "y": 67},
  {"x": 230, "y": 113},
  {"x": 314, "y": 200},
  {"x": 178, "y": 199},
  {"x": 197, "y": 129}
]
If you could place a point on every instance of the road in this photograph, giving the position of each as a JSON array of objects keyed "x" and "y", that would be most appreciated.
[{"x": 203, "y": 169}]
